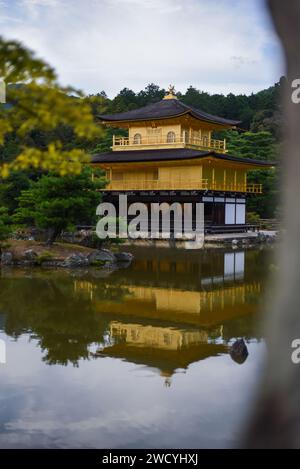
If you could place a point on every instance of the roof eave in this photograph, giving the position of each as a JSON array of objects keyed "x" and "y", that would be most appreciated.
[{"x": 108, "y": 120}]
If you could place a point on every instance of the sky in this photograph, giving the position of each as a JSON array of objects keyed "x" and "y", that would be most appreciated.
[{"x": 219, "y": 46}]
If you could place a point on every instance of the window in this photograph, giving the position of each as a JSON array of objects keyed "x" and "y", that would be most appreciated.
[
  {"x": 185, "y": 135},
  {"x": 241, "y": 214},
  {"x": 230, "y": 214},
  {"x": 171, "y": 137},
  {"x": 137, "y": 139}
]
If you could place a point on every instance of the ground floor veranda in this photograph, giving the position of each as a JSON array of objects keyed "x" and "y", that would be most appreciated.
[{"x": 223, "y": 212}]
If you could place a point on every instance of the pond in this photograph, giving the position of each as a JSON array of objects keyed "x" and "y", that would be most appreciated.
[{"x": 137, "y": 357}]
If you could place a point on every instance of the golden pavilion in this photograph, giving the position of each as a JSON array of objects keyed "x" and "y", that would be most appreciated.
[{"x": 170, "y": 155}]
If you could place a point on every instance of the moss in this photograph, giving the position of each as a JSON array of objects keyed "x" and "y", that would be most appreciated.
[
  {"x": 98, "y": 263},
  {"x": 44, "y": 257}
]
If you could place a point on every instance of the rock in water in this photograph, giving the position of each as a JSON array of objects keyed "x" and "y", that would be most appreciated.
[
  {"x": 75, "y": 260},
  {"x": 7, "y": 258},
  {"x": 124, "y": 256},
  {"x": 30, "y": 255},
  {"x": 102, "y": 255},
  {"x": 239, "y": 351}
]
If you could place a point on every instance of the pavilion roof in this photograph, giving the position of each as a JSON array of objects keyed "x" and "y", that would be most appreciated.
[
  {"x": 132, "y": 156},
  {"x": 166, "y": 108}
]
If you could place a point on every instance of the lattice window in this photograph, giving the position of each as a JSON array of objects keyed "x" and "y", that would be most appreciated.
[
  {"x": 171, "y": 137},
  {"x": 137, "y": 139}
]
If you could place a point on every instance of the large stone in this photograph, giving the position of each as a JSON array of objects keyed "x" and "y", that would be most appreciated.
[
  {"x": 30, "y": 255},
  {"x": 239, "y": 351},
  {"x": 7, "y": 258},
  {"x": 102, "y": 256},
  {"x": 124, "y": 257},
  {"x": 75, "y": 260},
  {"x": 261, "y": 237}
]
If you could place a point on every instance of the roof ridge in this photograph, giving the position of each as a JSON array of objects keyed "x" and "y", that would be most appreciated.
[{"x": 166, "y": 109}]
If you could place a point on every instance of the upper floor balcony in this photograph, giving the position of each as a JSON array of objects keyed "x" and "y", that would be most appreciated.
[
  {"x": 182, "y": 184},
  {"x": 170, "y": 140}
]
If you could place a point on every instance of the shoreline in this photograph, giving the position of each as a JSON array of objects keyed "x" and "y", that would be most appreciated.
[
  {"x": 73, "y": 256},
  {"x": 29, "y": 253}
]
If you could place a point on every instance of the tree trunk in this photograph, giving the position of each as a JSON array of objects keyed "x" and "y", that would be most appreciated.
[
  {"x": 53, "y": 234},
  {"x": 276, "y": 414}
]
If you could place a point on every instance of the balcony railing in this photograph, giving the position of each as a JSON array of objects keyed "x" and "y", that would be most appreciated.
[
  {"x": 205, "y": 143},
  {"x": 199, "y": 184}
]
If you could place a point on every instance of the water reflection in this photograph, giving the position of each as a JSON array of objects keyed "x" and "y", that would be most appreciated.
[
  {"x": 170, "y": 309},
  {"x": 139, "y": 357}
]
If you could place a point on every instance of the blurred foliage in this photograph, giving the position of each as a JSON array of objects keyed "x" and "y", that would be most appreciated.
[{"x": 36, "y": 104}]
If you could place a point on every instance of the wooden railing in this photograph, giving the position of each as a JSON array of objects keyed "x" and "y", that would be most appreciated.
[
  {"x": 199, "y": 184},
  {"x": 249, "y": 188},
  {"x": 204, "y": 143}
]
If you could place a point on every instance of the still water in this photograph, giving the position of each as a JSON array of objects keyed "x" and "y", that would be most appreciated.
[{"x": 132, "y": 358}]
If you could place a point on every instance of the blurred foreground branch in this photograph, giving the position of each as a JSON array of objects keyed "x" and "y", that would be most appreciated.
[{"x": 37, "y": 113}]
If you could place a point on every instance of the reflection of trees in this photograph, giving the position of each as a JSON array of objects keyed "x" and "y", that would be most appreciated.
[
  {"x": 245, "y": 327},
  {"x": 63, "y": 323}
]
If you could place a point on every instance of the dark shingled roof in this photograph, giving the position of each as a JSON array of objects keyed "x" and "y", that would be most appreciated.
[
  {"x": 166, "y": 108},
  {"x": 170, "y": 155}
]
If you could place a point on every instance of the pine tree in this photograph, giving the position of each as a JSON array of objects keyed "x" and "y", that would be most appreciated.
[{"x": 57, "y": 203}]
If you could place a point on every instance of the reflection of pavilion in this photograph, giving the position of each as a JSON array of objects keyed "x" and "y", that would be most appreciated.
[
  {"x": 173, "y": 311},
  {"x": 164, "y": 348},
  {"x": 182, "y": 290},
  {"x": 204, "y": 308},
  {"x": 163, "y": 338}
]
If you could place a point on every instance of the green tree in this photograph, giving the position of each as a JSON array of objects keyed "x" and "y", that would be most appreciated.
[
  {"x": 37, "y": 103},
  {"x": 253, "y": 145},
  {"x": 11, "y": 188},
  {"x": 5, "y": 228},
  {"x": 151, "y": 94},
  {"x": 259, "y": 146},
  {"x": 265, "y": 204},
  {"x": 57, "y": 203}
]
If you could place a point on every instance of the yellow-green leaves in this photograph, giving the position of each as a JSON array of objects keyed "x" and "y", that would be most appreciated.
[
  {"x": 35, "y": 102},
  {"x": 52, "y": 159},
  {"x": 19, "y": 64}
]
